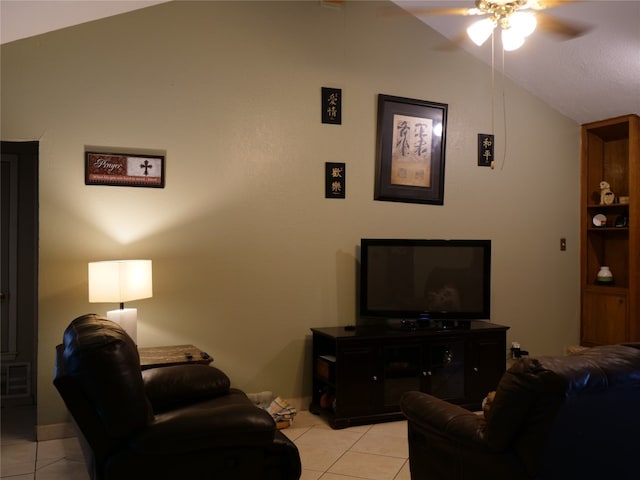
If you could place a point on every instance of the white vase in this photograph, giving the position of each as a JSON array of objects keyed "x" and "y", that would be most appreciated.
[{"x": 604, "y": 275}]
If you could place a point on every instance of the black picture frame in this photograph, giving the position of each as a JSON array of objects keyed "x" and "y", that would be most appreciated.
[
  {"x": 124, "y": 169},
  {"x": 332, "y": 105},
  {"x": 410, "y": 151},
  {"x": 335, "y": 180},
  {"x": 486, "y": 143}
]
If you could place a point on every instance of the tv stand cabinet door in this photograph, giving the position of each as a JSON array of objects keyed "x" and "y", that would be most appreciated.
[
  {"x": 358, "y": 380},
  {"x": 445, "y": 368},
  {"x": 486, "y": 363},
  {"x": 402, "y": 370}
]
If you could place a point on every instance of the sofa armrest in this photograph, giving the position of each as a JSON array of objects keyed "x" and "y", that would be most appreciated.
[
  {"x": 168, "y": 387},
  {"x": 431, "y": 413},
  {"x": 205, "y": 426}
]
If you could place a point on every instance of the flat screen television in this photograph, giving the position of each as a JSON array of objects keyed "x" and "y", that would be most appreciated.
[{"x": 425, "y": 279}]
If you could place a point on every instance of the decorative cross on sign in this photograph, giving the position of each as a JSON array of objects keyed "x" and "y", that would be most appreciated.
[{"x": 146, "y": 165}]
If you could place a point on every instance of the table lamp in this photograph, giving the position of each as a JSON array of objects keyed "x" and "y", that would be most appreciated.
[{"x": 121, "y": 281}]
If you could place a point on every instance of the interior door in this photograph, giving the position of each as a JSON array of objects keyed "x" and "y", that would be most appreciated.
[
  {"x": 19, "y": 271},
  {"x": 9, "y": 246}
]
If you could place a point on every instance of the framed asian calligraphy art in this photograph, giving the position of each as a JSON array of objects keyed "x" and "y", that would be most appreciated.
[
  {"x": 335, "y": 178},
  {"x": 332, "y": 105},
  {"x": 410, "y": 150},
  {"x": 123, "y": 169},
  {"x": 485, "y": 150}
]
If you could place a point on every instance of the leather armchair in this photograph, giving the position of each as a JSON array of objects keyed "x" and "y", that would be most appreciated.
[
  {"x": 182, "y": 421},
  {"x": 551, "y": 418}
]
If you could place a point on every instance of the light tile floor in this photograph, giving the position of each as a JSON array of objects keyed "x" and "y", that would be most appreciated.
[{"x": 368, "y": 452}]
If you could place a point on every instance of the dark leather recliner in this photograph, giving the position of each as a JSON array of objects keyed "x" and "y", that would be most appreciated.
[
  {"x": 163, "y": 423},
  {"x": 570, "y": 417}
]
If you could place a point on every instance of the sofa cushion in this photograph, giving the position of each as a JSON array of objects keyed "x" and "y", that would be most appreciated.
[
  {"x": 597, "y": 369},
  {"x": 167, "y": 387}
]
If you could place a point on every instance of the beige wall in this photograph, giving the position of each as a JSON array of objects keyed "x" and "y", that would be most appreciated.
[{"x": 247, "y": 252}]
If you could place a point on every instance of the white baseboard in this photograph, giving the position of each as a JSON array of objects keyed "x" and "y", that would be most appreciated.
[
  {"x": 55, "y": 431},
  {"x": 299, "y": 403}
]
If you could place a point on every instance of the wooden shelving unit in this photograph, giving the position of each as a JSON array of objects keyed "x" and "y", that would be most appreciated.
[{"x": 611, "y": 152}]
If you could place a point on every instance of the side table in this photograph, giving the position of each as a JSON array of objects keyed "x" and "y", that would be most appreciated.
[{"x": 153, "y": 357}]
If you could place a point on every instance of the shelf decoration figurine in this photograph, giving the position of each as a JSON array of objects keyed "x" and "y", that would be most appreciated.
[
  {"x": 622, "y": 221},
  {"x": 605, "y": 276},
  {"x": 606, "y": 195}
]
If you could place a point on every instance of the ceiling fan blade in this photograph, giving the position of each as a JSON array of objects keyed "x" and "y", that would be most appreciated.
[
  {"x": 443, "y": 11},
  {"x": 396, "y": 11},
  {"x": 559, "y": 27},
  {"x": 544, "y": 4}
]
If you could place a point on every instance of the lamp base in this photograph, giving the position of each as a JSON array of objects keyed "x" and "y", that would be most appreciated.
[{"x": 127, "y": 318}]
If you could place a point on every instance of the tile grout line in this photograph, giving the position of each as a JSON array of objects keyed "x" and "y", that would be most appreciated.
[
  {"x": 401, "y": 467},
  {"x": 347, "y": 450}
]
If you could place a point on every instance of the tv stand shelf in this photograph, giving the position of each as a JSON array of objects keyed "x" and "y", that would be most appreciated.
[{"x": 359, "y": 375}]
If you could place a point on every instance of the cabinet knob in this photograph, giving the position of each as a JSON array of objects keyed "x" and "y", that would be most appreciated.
[
  {"x": 375, "y": 378},
  {"x": 475, "y": 369},
  {"x": 426, "y": 374}
]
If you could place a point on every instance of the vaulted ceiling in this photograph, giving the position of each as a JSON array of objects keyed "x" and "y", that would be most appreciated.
[{"x": 589, "y": 78}]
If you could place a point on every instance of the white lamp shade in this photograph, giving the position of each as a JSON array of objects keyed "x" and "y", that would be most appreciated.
[
  {"x": 511, "y": 39},
  {"x": 523, "y": 22},
  {"x": 120, "y": 281},
  {"x": 481, "y": 30}
]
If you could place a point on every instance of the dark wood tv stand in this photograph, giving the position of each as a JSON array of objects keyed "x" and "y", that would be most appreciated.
[{"x": 359, "y": 375}]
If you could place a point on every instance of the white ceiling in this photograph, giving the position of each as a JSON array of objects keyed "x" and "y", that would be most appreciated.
[
  {"x": 26, "y": 18},
  {"x": 589, "y": 78}
]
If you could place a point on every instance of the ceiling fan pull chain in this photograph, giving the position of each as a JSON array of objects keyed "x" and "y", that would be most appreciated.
[
  {"x": 493, "y": 83},
  {"x": 504, "y": 112}
]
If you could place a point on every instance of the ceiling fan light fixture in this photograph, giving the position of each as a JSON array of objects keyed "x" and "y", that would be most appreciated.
[
  {"x": 523, "y": 22},
  {"x": 511, "y": 39},
  {"x": 481, "y": 30}
]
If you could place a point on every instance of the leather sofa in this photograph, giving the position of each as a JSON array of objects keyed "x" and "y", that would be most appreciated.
[
  {"x": 569, "y": 417},
  {"x": 182, "y": 421}
]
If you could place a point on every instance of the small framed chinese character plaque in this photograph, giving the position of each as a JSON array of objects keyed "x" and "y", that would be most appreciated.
[
  {"x": 332, "y": 105},
  {"x": 335, "y": 180},
  {"x": 485, "y": 150},
  {"x": 410, "y": 151}
]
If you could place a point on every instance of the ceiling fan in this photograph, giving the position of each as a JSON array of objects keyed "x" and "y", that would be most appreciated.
[{"x": 517, "y": 20}]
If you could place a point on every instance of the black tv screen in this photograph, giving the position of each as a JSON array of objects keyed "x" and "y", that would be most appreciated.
[{"x": 418, "y": 279}]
